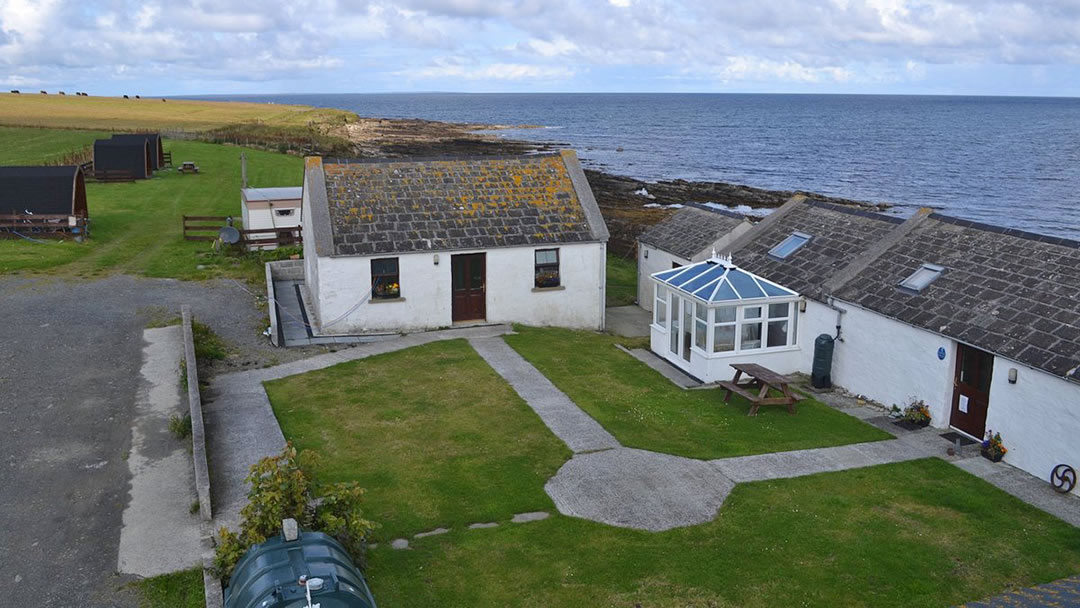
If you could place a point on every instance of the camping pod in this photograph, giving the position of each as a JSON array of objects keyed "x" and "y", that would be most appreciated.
[{"x": 115, "y": 155}]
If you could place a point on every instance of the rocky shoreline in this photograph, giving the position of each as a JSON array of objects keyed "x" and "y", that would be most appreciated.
[{"x": 622, "y": 199}]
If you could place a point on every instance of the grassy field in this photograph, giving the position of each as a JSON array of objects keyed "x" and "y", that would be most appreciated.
[
  {"x": 26, "y": 146},
  {"x": 104, "y": 113},
  {"x": 644, "y": 410},
  {"x": 136, "y": 228},
  {"x": 433, "y": 433},
  {"x": 920, "y": 533},
  {"x": 621, "y": 281},
  {"x": 177, "y": 590}
]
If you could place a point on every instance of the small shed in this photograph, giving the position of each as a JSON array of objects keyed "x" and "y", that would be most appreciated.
[
  {"x": 42, "y": 199},
  {"x": 275, "y": 211},
  {"x": 157, "y": 151},
  {"x": 129, "y": 155},
  {"x": 711, "y": 314}
]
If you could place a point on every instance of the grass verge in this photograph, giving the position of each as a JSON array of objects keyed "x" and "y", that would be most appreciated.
[
  {"x": 621, "y": 289},
  {"x": 177, "y": 590},
  {"x": 435, "y": 436},
  {"x": 644, "y": 410}
]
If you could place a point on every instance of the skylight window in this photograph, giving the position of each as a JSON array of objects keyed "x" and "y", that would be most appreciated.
[
  {"x": 789, "y": 245},
  {"x": 922, "y": 277}
]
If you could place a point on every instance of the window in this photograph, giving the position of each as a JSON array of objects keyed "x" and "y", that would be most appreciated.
[
  {"x": 750, "y": 329},
  {"x": 922, "y": 277},
  {"x": 547, "y": 268},
  {"x": 701, "y": 325},
  {"x": 777, "y": 334},
  {"x": 789, "y": 245},
  {"x": 283, "y": 212},
  {"x": 660, "y": 307},
  {"x": 724, "y": 329},
  {"x": 385, "y": 283}
]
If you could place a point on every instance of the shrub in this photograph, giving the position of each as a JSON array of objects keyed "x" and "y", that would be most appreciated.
[
  {"x": 283, "y": 487},
  {"x": 180, "y": 425}
]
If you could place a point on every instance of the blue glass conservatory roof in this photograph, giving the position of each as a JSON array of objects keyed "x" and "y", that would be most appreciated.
[{"x": 720, "y": 281}]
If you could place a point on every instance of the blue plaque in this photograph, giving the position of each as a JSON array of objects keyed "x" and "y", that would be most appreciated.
[{"x": 941, "y": 353}]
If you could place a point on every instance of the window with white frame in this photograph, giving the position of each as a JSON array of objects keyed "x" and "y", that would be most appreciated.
[
  {"x": 660, "y": 307},
  {"x": 724, "y": 329},
  {"x": 750, "y": 328},
  {"x": 776, "y": 333},
  {"x": 701, "y": 325}
]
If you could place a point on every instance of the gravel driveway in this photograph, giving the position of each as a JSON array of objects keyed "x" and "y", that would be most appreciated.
[{"x": 70, "y": 353}]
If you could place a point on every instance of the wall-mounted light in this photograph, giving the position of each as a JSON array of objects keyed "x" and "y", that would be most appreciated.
[
  {"x": 436, "y": 259},
  {"x": 1012, "y": 375},
  {"x": 646, "y": 254},
  {"x": 802, "y": 305}
]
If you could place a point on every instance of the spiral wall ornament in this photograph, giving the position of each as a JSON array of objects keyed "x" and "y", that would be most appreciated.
[{"x": 1063, "y": 478}]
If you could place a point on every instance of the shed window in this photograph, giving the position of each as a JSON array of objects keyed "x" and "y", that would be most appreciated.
[
  {"x": 385, "y": 281},
  {"x": 789, "y": 245},
  {"x": 547, "y": 268},
  {"x": 283, "y": 212},
  {"x": 922, "y": 277}
]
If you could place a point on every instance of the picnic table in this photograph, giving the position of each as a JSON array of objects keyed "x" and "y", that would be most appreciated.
[
  {"x": 761, "y": 379},
  {"x": 188, "y": 167}
]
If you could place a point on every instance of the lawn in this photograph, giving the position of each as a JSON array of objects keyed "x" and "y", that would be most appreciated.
[
  {"x": 177, "y": 590},
  {"x": 644, "y": 410},
  {"x": 105, "y": 113},
  {"x": 25, "y": 146},
  {"x": 621, "y": 286},
  {"x": 920, "y": 533},
  {"x": 136, "y": 227},
  {"x": 432, "y": 432}
]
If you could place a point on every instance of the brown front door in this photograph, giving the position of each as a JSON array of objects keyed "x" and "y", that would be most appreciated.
[
  {"x": 468, "y": 275},
  {"x": 971, "y": 390}
]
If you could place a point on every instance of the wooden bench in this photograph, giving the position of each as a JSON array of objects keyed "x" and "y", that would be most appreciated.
[{"x": 761, "y": 380}]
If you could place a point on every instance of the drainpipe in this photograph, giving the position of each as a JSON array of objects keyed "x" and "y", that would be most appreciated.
[
  {"x": 603, "y": 286},
  {"x": 839, "y": 315}
]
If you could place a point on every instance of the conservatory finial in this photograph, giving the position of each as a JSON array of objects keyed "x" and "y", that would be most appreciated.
[{"x": 724, "y": 260}]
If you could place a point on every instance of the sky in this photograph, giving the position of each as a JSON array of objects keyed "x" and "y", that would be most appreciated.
[{"x": 173, "y": 47}]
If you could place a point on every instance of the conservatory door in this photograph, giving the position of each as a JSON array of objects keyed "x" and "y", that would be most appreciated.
[
  {"x": 674, "y": 330},
  {"x": 682, "y": 323}
]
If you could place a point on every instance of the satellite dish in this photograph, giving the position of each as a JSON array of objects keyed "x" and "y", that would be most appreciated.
[{"x": 229, "y": 235}]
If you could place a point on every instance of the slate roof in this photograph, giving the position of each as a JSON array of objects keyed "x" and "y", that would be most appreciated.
[
  {"x": 398, "y": 206},
  {"x": 838, "y": 236},
  {"x": 1006, "y": 291},
  {"x": 42, "y": 191},
  {"x": 157, "y": 154},
  {"x": 125, "y": 154},
  {"x": 691, "y": 230}
]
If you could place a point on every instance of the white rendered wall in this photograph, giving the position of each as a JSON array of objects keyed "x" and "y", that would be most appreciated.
[
  {"x": 1038, "y": 418},
  {"x": 658, "y": 260},
  {"x": 886, "y": 360},
  {"x": 426, "y": 294},
  {"x": 260, "y": 215}
]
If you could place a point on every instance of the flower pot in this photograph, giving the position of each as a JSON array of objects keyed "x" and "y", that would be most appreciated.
[{"x": 992, "y": 457}]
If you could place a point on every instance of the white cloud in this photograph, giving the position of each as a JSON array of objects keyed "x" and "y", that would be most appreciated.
[{"x": 492, "y": 71}]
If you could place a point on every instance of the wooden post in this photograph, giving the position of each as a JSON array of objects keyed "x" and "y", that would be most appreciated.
[{"x": 243, "y": 170}]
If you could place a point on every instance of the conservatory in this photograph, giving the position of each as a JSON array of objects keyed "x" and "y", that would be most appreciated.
[{"x": 711, "y": 314}]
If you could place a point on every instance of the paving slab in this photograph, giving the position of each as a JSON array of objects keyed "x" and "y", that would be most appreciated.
[
  {"x": 797, "y": 463},
  {"x": 576, "y": 428},
  {"x": 638, "y": 489},
  {"x": 523, "y": 518},
  {"x": 1060, "y": 593}
]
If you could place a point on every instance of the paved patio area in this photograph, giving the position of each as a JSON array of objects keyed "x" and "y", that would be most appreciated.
[{"x": 628, "y": 321}]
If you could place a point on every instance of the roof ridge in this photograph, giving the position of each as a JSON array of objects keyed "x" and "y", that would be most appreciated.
[
  {"x": 718, "y": 211},
  {"x": 429, "y": 159},
  {"x": 872, "y": 253},
  {"x": 853, "y": 210},
  {"x": 750, "y": 235},
  {"x": 1023, "y": 234}
]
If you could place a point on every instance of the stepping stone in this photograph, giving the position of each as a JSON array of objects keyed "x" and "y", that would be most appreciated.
[
  {"x": 521, "y": 518},
  {"x": 489, "y": 524},
  {"x": 434, "y": 532},
  {"x": 400, "y": 543}
]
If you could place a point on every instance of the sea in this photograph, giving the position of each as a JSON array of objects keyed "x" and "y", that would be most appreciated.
[{"x": 1008, "y": 161}]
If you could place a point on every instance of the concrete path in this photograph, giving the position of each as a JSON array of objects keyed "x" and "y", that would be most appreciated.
[
  {"x": 630, "y": 321},
  {"x": 240, "y": 424},
  {"x": 159, "y": 534},
  {"x": 1034, "y": 491},
  {"x": 797, "y": 463},
  {"x": 1061, "y": 593},
  {"x": 569, "y": 423}
]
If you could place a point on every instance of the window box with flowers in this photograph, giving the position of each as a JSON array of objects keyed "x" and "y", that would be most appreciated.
[
  {"x": 385, "y": 281},
  {"x": 546, "y": 269}
]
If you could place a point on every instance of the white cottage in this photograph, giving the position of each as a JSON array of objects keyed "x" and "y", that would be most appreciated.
[
  {"x": 689, "y": 235},
  {"x": 275, "y": 211},
  {"x": 982, "y": 323},
  {"x": 406, "y": 245}
]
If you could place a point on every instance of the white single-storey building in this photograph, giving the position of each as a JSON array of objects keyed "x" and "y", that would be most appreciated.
[
  {"x": 979, "y": 322},
  {"x": 277, "y": 211},
  {"x": 689, "y": 235},
  {"x": 409, "y": 245}
]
